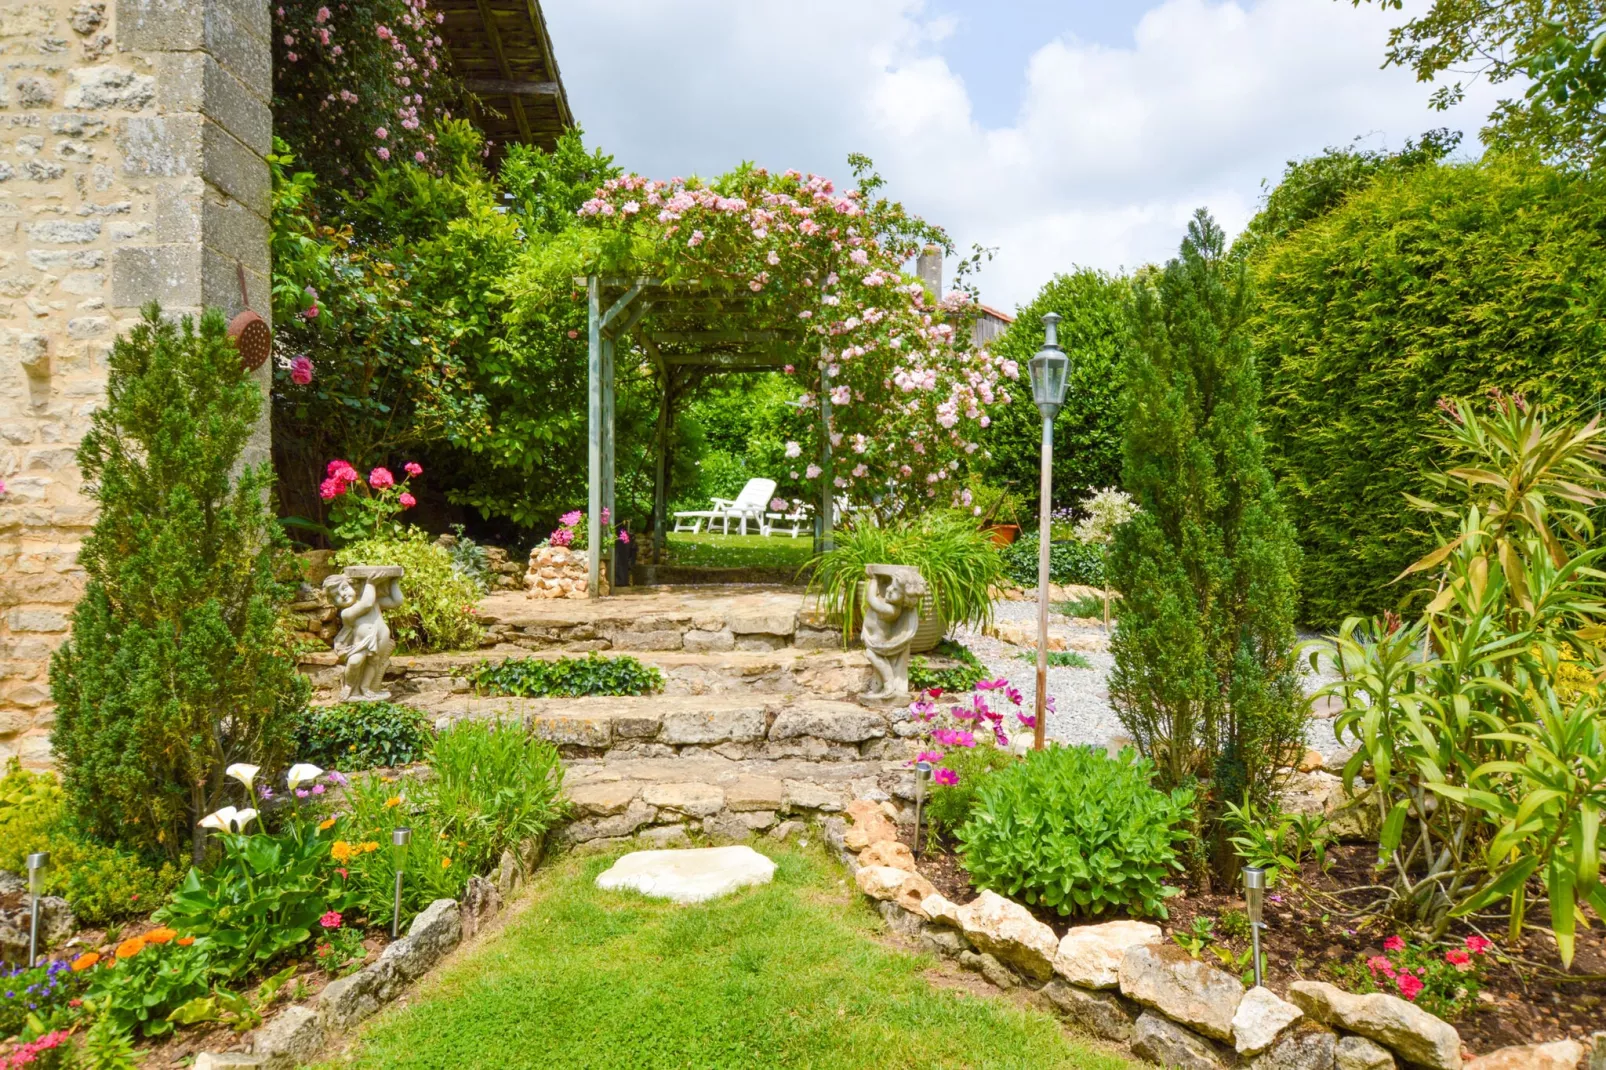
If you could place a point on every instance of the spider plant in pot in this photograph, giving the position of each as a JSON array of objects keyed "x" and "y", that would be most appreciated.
[{"x": 961, "y": 565}]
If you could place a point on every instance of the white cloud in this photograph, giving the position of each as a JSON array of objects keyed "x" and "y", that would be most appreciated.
[{"x": 1110, "y": 152}]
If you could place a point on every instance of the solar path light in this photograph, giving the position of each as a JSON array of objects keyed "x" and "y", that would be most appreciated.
[
  {"x": 400, "y": 837},
  {"x": 37, "y": 863},
  {"x": 1254, "y": 900}
]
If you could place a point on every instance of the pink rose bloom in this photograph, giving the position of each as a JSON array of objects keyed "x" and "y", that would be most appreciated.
[
  {"x": 777, "y": 505},
  {"x": 413, "y": 468},
  {"x": 322, "y": 15},
  {"x": 301, "y": 370},
  {"x": 946, "y": 777},
  {"x": 291, "y": 56},
  {"x": 380, "y": 478},
  {"x": 384, "y": 153},
  {"x": 407, "y": 500},
  {"x": 381, "y": 133},
  {"x": 812, "y": 471},
  {"x": 419, "y": 156},
  {"x": 311, "y": 313}
]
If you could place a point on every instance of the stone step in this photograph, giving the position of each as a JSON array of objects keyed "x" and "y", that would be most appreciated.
[
  {"x": 683, "y": 728},
  {"x": 662, "y": 800},
  {"x": 838, "y": 674}
]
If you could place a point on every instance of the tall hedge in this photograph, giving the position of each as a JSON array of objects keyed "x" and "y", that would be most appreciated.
[
  {"x": 1441, "y": 281},
  {"x": 1087, "y": 432}
]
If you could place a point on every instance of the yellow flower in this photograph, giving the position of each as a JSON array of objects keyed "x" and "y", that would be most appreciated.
[
  {"x": 393, "y": 801},
  {"x": 341, "y": 851},
  {"x": 325, "y": 826},
  {"x": 446, "y": 863},
  {"x": 371, "y": 845}
]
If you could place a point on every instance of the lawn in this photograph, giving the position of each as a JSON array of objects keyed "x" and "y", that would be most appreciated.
[
  {"x": 714, "y": 550},
  {"x": 790, "y": 974}
]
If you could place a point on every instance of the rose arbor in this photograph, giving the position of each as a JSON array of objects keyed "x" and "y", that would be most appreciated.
[{"x": 762, "y": 272}]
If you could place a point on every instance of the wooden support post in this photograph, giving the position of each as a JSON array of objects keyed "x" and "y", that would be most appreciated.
[
  {"x": 608, "y": 453},
  {"x": 824, "y": 541},
  {"x": 594, "y": 415},
  {"x": 660, "y": 487}
]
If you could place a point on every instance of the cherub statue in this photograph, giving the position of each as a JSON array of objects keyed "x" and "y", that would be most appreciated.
[
  {"x": 891, "y": 618},
  {"x": 364, "y": 644}
]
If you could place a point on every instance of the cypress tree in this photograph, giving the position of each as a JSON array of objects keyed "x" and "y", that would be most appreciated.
[
  {"x": 1205, "y": 678},
  {"x": 175, "y": 667}
]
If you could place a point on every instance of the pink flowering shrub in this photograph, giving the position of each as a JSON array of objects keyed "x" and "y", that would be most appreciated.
[
  {"x": 365, "y": 509},
  {"x": 572, "y": 529},
  {"x": 358, "y": 80},
  {"x": 905, "y": 387},
  {"x": 1444, "y": 982}
]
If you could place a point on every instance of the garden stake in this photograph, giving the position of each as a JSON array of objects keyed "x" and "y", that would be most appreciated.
[
  {"x": 36, "y": 884},
  {"x": 922, "y": 771},
  {"x": 1049, "y": 376},
  {"x": 400, "y": 837},
  {"x": 1254, "y": 897}
]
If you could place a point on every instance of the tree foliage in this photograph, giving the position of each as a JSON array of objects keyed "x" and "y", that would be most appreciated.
[
  {"x": 1557, "y": 44},
  {"x": 1204, "y": 677},
  {"x": 1094, "y": 333},
  {"x": 175, "y": 667},
  {"x": 1438, "y": 281}
]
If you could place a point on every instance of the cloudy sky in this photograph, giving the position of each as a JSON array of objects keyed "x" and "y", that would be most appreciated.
[{"x": 1059, "y": 133}]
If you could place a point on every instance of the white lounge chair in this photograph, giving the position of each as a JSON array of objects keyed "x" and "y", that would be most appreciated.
[{"x": 750, "y": 504}]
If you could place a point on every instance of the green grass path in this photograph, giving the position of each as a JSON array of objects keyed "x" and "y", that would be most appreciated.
[{"x": 787, "y": 975}]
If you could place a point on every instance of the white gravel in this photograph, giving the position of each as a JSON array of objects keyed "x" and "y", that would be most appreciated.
[{"x": 1082, "y": 712}]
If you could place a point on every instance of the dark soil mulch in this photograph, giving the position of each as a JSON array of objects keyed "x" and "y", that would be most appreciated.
[{"x": 1526, "y": 998}]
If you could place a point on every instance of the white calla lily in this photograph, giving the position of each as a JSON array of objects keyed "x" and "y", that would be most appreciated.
[
  {"x": 300, "y": 773},
  {"x": 245, "y": 774},
  {"x": 228, "y": 819},
  {"x": 221, "y": 820}
]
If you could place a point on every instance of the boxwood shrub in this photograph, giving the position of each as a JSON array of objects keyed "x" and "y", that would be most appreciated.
[
  {"x": 1078, "y": 832},
  {"x": 1068, "y": 562},
  {"x": 361, "y": 735},
  {"x": 568, "y": 677}
]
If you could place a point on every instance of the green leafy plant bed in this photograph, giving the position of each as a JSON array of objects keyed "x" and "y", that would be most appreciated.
[
  {"x": 961, "y": 677},
  {"x": 1068, "y": 562},
  {"x": 1036, "y": 825},
  {"x": 362, "y": 735},
  {"x": 568, "y": 677},
  {"x": 1058, "y": 659},
  {"x": 786, "y": 974}
]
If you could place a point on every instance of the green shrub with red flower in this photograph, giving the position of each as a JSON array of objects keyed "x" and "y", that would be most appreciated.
[{"x": 1441, "y": 981}]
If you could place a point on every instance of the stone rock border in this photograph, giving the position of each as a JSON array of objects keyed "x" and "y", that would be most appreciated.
[
  {"x": 1121, "y": 982},
  {"x": 299, "y": 1032}
]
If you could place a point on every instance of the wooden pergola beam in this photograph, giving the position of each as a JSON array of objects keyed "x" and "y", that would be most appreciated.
[
  {"x": 494, "y": 37},
  {"x": 511, "y": 87}
]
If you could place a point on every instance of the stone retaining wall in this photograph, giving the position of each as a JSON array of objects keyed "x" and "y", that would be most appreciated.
[{"x": 1123, "y": 982}]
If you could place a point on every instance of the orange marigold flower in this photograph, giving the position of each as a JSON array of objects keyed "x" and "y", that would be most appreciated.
[
  {"x": 185, "y": 941},
  {"x": 370, "y": 846},
  {"x": 159, "y": 936},
  {"x": 392, "y": 802},
  {"x": 130, "y": 947},
  {"x": 84, "y": 961},
  {"x": 445, "y": 862},
  {"x": 325, "y": 826},
  {"x": 341, "y": 851}
]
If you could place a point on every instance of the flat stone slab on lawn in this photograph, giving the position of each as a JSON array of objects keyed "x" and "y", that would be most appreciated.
[{"x": 688, "y": 876}]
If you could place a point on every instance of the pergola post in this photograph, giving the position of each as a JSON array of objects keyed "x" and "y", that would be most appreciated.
[
  {"x": 827, "y": 488},
  {"x": 594, "y": 425},
  {"x": 608, "y": 453},
  {"x": 660, "y": 486}
]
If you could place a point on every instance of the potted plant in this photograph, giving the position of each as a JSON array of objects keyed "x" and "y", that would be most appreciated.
[
  {"x": 960, "y": 563},
  {"x": 999, "y": 510}
]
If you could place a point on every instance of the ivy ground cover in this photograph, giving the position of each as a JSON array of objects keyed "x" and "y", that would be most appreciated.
[{"x": 789, "y": 974}]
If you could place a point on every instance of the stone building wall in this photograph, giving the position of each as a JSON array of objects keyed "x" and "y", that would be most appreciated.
[{"x": 132, "y": 137}]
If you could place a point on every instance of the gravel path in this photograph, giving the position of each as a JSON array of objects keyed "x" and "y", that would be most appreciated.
[{"x": 1082, "y": 711}]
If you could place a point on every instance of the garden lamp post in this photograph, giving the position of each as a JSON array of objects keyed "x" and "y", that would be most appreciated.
[
  {"x": 400, "y": 837},
  {"x": 1254, "y": 899},
  {"x": 36, "y": 887},
  {"x": 922, "y": 772},
  {"x": 1049, "y": 371}
]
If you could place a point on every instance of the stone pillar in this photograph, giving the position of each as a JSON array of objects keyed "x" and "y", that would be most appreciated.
[
  {"x": 929, "y": 268},
  {"x": 132, "y": 137}
]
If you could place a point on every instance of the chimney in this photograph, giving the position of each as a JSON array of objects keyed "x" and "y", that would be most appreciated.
[{"x": 929, "y": 268}]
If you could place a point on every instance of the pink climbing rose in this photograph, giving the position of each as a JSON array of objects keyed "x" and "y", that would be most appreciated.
[{"x": 301, "y": 370}]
